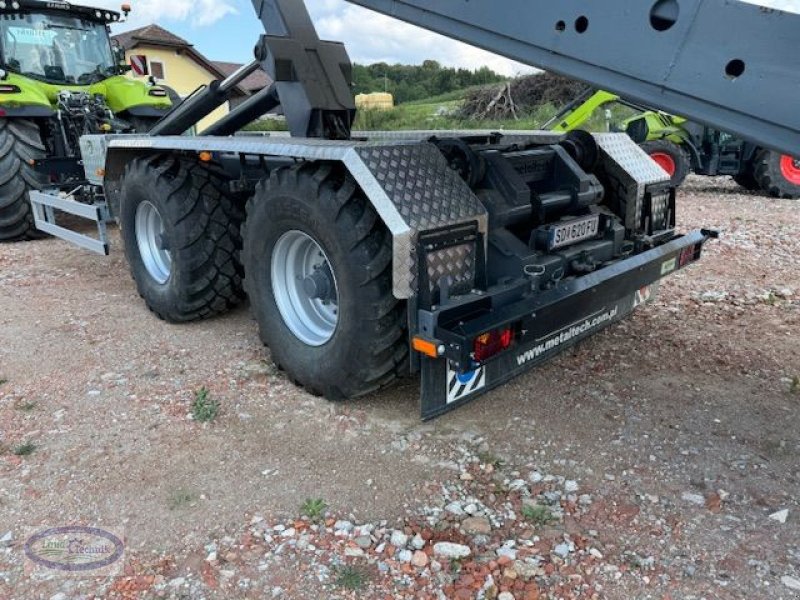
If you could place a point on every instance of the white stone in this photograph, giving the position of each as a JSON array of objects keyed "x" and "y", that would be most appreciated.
[
  {"x": 535, "y": 477},
  {"x": 697, "y": 499},
  {"x": 418, "y": 543},
  {"x": 404, "y": 556},
  {"x": 517, "y": 485},
  {"x": 793, "y": 583},
  {"x": 398, "y": 539},
  {"x": 355, "y": 552},
  {"x": 505, "y": 596},
  {"x": 507, "y": 551},
  {"x": 345, "y": 526},
  {"x": 571, "y": 486},
  {"x": 455, "y": 509},
  {"x": 451, "y": 550},
  {"x": 780, "y": 516},
  {"x": 562, "y": 550}
]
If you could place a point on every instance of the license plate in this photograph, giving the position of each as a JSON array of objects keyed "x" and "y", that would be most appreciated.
[{"x": 575, "y": 231}]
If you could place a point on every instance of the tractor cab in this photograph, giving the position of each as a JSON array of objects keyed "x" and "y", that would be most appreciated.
[{"x": 57, "y": 43}]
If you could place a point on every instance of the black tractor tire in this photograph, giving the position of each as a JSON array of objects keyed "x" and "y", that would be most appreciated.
[
  {"x": 368, "y": 349},
  {"x": 677, "y": 161},
  {"x": 201, "y": 230},
  {"x": 747, "y": 179},
  {"x": 772, "y": 178},
  {"x": 20, "y": 142}
]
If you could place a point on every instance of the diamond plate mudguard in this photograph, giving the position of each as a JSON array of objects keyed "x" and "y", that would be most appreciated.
[{"x": 408, "y": 182}]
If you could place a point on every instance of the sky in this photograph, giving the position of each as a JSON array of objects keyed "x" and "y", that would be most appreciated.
[{"x": 227, "y": 30}]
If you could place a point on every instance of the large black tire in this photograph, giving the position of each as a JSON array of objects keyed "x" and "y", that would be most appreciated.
[
  {"x": 747, "y": 179},
  {"x": 20, "y": 142},
  {"x": 368, "y": 348},
  {"x": 672, "y": 158},
  {"x": 775, "y": 177},
  {"x": 201, "y": 223}
]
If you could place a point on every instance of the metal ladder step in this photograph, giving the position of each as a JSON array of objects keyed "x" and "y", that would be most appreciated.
[{"x": 46, "y": 203}]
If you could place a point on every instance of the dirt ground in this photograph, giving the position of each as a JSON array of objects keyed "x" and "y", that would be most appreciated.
[{"x": 652, "y": 461}]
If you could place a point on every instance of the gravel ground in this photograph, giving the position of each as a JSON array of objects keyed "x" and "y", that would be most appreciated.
[{"x": 652, "y": 461}]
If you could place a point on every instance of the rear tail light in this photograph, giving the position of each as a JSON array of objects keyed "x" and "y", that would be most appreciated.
[
  {"x": 493, "y": 343},
  {"x": 688, "y": 255}
]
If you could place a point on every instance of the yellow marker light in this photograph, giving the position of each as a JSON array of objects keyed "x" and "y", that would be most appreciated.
[
  {"x": 206, "y": 156},
  {"x": 426, "y": 347}
]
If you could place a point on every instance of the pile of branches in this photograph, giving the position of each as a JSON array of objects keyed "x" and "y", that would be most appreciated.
[{"x": 518, "y": 97}]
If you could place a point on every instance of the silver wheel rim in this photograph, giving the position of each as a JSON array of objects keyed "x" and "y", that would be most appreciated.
[
  {"x": 304, "y": 286},
  {"x": 150, "y": 238}
]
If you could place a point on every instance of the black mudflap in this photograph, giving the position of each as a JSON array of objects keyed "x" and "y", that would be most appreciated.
[{"x": 444, "y": 388}]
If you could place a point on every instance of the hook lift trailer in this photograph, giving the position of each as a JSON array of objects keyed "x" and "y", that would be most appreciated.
[{"x": 466, "y": 256}]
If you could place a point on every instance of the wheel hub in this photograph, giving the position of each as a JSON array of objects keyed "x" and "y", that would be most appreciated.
[
  {"x": 319, "y": 284},
  {"x": 790, "y": 169},
  {"x": 151, "y": 240},
  {"x": 665, "y": 161},
  {"x": 304, "y": 287}
]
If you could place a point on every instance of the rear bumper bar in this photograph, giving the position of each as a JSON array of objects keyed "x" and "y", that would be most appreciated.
[{"x": 544, "y": 323}]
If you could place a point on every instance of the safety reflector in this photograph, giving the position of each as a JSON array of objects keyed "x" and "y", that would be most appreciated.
[{"x": 427, "y": 347}]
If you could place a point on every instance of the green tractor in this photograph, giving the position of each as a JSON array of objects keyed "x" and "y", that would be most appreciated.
[
  {"x": 681, "y": 147},
  {"x": 60, "y": 77}
]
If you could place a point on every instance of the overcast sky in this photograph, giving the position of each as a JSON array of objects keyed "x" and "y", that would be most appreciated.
[{"x": 227, "y": 30}]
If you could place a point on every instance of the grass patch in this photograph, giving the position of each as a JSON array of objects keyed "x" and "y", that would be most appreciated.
[
  {"x": 537, "y": 514},
  {"x": 181, "y": 498},
  {"x": 487, "y": 458},
  {"x": 313, "y": 508},
  {"x": 351, "y": 578},
  {"x": 25, "y": 405},
  {"x": 3, "y": 381},
  {"x": 25, "y": 449},
  {"x": 204, "y": 407},
  {"x": 794, "y": 387}
]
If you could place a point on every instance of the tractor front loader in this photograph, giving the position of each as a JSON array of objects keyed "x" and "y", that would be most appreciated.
[
  {"x": 60, "y": 79},
  {"x": 681, "y": 146}
]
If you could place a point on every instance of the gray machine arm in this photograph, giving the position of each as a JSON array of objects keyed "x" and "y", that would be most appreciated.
[
  {"x": 729, "y": 64},
  {"x": 312, "y": 77}
]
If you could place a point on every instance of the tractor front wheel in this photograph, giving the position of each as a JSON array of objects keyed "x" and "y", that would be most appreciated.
[
  {"x": 20, "y": 144},
  {"x": 180, "y": 227},
  {"x": 778, "y": 174},
  {"x": 669, "y": 157},
  {"x": 318, "y": 272}
]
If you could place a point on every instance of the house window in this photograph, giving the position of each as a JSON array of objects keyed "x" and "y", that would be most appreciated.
[{"x": 157, "y": 69}]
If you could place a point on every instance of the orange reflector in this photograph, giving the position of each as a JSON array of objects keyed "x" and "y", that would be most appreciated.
[
  {"x": 425, "y": 347},
  {"x": 100, "y": 172},
  {"x": 206, "y": 156}
]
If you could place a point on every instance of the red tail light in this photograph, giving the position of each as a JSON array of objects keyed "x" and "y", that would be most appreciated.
[
  {"x": 493, "y": 343},
  {"x": 688, "y": 255}
]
